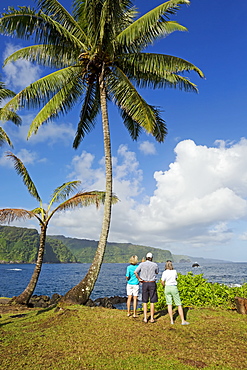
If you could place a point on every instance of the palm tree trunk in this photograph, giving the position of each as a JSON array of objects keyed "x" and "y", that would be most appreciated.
[
  {"x": 82, "y": 291},
  {"x": 25, "y": 296}
]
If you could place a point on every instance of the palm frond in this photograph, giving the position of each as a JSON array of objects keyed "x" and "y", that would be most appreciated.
[
  {"x": 160, "y": 129},
  {"x": 89, "y": 111},
  {"x": 91, "y": 18},
  {"x": 85, "y": 199},
  {"x": 78, "y": 11},
  {"x": 25, "y": 22},
  {"x": 53, "y": 56},
  {"x": 129, "y": 100},
  {"x": 133, "y": 127},
  {"x": 38, "y": 211},
  {"x": 60, "y": 103},
  {"x": 55, "y": 10},
  {"x": 4, "y": 138},
  {"x": 9, "y": 215},
  {"x": 42, "y": 90},
  {"x": 105, "y": 16},
  {"x": 127, "y": 18},
  {"x": 8, "y": 115},
  {"x": 22, "y": 22},
  {"x": 112, "y": 21},
  {"x": 56, "y": 34},
  {"x": 159, "y": 65},
  {"x": 62, "y": 192},
  {"x": 5, "y": 93},
  {"x": 22, "y": 171},
  {"x": 151, "y": 25}
]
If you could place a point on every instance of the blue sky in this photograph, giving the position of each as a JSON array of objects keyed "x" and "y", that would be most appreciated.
[{"x": 188, "y": 194}]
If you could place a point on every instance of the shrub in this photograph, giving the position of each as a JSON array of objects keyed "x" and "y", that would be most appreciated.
[{"x": 196, "y": 291}]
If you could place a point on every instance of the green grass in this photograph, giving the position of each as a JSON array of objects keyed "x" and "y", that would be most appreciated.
[{"x": 79, "y": 338}]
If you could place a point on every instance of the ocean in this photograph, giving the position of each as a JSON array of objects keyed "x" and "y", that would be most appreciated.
[{"x": 59, "y": 278}]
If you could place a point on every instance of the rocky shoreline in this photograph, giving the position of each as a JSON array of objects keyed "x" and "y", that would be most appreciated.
[{"x": 44, "y": 301}]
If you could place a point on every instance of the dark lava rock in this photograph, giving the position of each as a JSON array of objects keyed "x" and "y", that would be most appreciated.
[{"x": 44, "y": 301}]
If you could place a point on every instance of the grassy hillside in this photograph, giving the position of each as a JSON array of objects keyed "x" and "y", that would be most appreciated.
[{"x": 84, "y": 250}]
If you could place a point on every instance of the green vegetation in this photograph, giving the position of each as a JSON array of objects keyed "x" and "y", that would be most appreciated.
[
  {"x": 18, "y": 242},
  {"x": 196, "y": 291},
  {"x": 83, "y": 338},
  {"x": 20, "y": 245},
  {"x": 62, "y": 253},
  {"x": 84, "y": 250}
]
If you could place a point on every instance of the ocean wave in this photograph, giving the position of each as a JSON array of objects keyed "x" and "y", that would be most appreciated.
[
  {"x": 14, "y": 269},
  {"x": 234, "y": 285}
]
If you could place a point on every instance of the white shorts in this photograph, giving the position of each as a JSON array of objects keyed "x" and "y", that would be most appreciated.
[{"x": 133, "y": 289}]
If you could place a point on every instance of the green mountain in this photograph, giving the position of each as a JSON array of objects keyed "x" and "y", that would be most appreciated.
[
  {"x": 20, "y": 245},
  {"x": 84, "y": 250}
]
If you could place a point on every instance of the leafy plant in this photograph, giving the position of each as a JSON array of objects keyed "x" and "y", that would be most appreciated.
[{"x": 196, "y": 291}]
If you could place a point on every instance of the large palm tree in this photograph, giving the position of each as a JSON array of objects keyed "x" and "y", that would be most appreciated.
[
  {"x": 44, "y": 216},
  {"x": 97, "y": 54},
  {"x": 7, "y": 114}
]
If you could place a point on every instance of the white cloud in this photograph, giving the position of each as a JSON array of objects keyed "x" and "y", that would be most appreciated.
[
  {"x": 243, "y": 236},
  {"x": 195, "y": 202},
  {"x": 146, "y": 147},
  {"x": 82, "y": 169},
  {"x": 127, "y": 174},
  {"x": 21, "y": 73},
  {"x": 26, "y": 156},
  {"x": 86, "y": 222},
  {"x": 50, "y": 133},
  {"x": 4, "y": 161},
  {"x": 198, "y": 205},
  {"x": 201, "y": 189}
]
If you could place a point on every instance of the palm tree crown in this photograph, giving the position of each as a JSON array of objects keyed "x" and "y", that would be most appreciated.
[{"x": 102, "y": 37}]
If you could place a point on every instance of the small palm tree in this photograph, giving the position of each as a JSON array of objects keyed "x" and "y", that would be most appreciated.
[
  {"x": 7, "y": 114},
  {"x": 44, "y": 216},
  {"x": 98, "y": 55}
]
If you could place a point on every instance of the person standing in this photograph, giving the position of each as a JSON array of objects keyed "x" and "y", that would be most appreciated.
[
  {"x": 146, "y": 273},
  {"x": 132, "y": 285},
  {"x": 169, "y": 280}
]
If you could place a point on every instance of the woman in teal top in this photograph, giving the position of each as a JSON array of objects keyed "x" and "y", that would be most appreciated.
[{"x": 132, "y": 285}]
